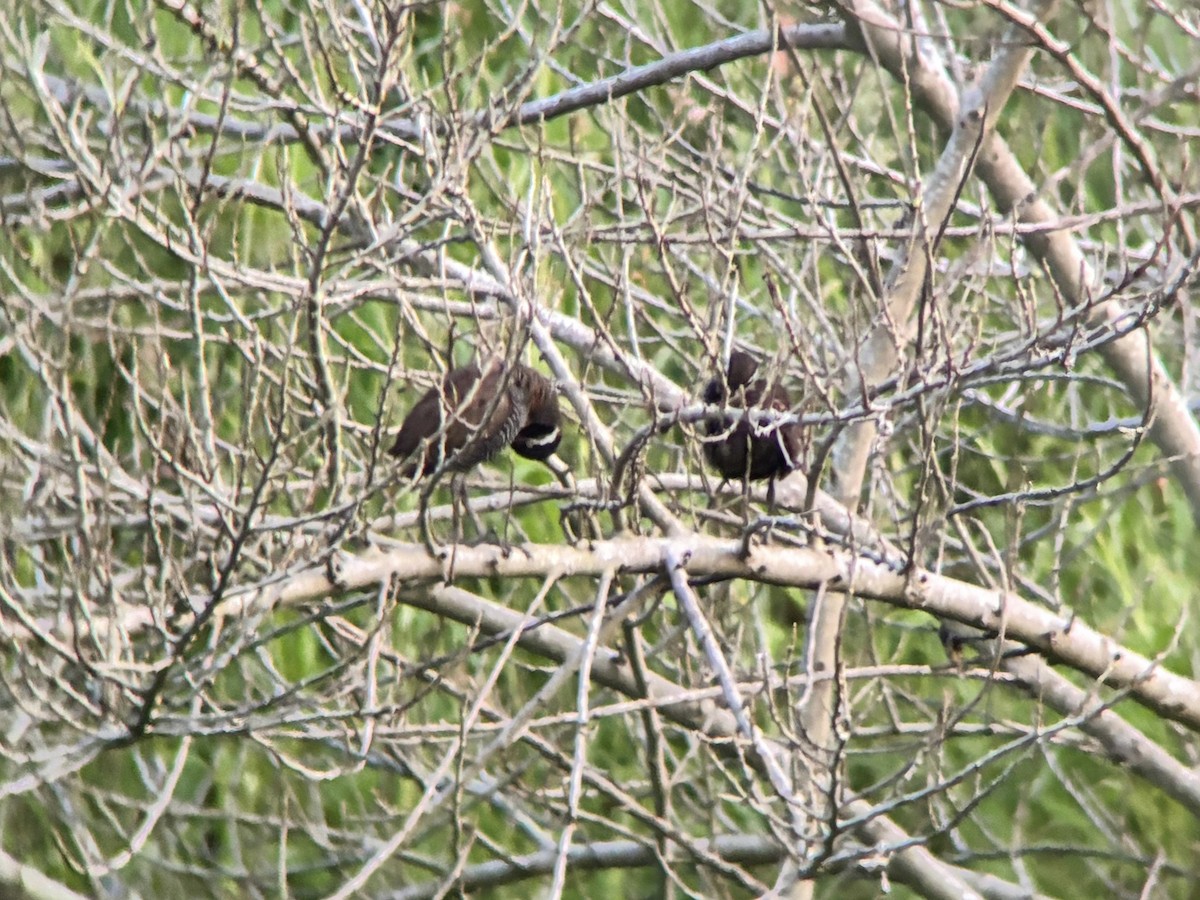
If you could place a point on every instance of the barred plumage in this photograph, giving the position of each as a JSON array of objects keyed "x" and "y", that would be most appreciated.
[{"x": 472, "y": 416}]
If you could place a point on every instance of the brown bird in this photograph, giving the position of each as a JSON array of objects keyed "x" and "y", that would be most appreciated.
[
  {"x": 735, "y": 449},
  {"x": 470, "y": 417}
]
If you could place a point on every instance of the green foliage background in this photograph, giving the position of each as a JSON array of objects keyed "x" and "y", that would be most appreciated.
[{"x": 157, "y": 296}]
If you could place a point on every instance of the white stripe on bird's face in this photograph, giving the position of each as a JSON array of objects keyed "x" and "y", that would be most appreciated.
[{"x": 542, "y": 440}]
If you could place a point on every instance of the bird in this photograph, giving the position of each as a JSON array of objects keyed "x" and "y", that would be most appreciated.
[
  {"x": 540, "y": 437},
  {"x": 738, "y": 450},
  {"x": 474, "y": 414}
]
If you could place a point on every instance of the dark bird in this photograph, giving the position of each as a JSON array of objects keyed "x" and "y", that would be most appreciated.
[
  {"x": 735, "y": 449},
  {"x": 470, "y": 417}
]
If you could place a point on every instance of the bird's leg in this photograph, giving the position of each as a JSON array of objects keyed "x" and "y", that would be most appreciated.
[
  {"x": 716, "y": 497},
  {"x": 771, "y": 517},
  {"x": 465, "y": 501},
  {"x": 436, "y": 550},
  {"x": 720, "y": 487},
  {"x": 763, "y": 524},
  {"x": 484, "y": 534},
  {"x": 567, "y": 518},
  {"x": 502, "y": 536},
  {"x": 462, "y": 503},
  {"x": 423, "y": 522},
  {"x": 458, "y": 501}
]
